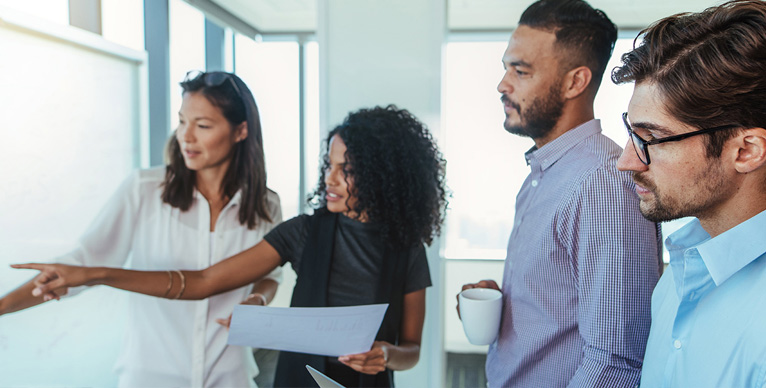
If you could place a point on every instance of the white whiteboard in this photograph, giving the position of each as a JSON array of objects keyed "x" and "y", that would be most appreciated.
[{"x": 73, "y": 121}]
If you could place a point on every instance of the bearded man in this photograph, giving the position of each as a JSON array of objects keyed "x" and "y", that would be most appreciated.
[{"x": 581, "y": 261}]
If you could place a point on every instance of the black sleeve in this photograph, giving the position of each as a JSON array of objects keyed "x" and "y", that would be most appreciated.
[
  {"x": 418, "y": 274},
  {"x": 289, "y": 238}
]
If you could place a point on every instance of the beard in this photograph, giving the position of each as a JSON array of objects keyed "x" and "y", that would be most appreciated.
[
  {"x": 538, "y": 120},
  {"x": 711, "y": 190}
]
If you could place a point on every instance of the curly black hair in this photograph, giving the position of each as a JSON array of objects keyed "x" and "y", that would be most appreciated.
[{"x": 397, "y": 171}]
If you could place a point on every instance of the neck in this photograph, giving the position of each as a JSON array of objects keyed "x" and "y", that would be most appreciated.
[
  {"x": 574, "y": 114},
  {"x": 209, "y": 182},
  {"x": 746, "y": 201}
]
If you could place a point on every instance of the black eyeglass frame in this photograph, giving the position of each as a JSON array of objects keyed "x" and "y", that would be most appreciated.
[{"x": 644, "y": 144}]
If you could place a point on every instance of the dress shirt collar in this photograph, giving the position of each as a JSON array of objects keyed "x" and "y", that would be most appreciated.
[
  {"x": 553, "y": 151},
  {"x": 728, "y": 252},
  {"x": 235, "y": 200}
]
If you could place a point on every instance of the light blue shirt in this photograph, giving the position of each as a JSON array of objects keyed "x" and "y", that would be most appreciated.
[{"x": 709, "y": 310}]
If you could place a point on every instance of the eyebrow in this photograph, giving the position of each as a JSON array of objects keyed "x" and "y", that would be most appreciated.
[
  {"x": 515, "y": 63},
  {"x": 659, "y": 129}
]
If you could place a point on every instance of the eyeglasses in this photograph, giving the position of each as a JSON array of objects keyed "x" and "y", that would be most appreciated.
[
  {"x": 213, "y": 79},
  {"x": 641, "y": 146}
]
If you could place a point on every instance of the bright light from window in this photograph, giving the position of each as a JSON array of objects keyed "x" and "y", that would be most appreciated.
[
  {"x": 486, "y": 164},
  {"x": 122, "y": 22},
  {"x": 271, "y": 71},
  {"x": 187, "y": 50},
  {"x": 56, "y": 11}
]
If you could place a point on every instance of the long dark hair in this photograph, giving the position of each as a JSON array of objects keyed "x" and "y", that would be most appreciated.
[
  {"x": 397, "y": 171},
  {"x": 247, "y": 170}
]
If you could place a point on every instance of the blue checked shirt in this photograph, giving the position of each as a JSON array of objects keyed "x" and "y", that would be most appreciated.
[
  {"x": 709, "y": 310},
  {"x": 581, "y": 266}
]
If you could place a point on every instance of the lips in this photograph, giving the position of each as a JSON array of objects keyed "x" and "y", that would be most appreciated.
[
  {"x": 191, "y": 154},
  {"x": 509, "y": 105},
  {"x": 643, "y": 187},
  {"x": 333, "y": 197}
]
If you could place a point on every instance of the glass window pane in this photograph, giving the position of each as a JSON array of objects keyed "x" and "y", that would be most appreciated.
[
  {"x": 271, "y": 71},
  {"x": 56, "y": 11},
  {"x": 122, "y": 22},
  {"x": 486, "y": 164},
  {"x": 311, "y": 100},
  {"x": 187, "y": 50}
]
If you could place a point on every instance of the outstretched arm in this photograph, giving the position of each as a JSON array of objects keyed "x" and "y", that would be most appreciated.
[
  {"x": 21, "y": 298},
  {"x": 234, "y": 272},
  {"x": 395, "y": 357}
]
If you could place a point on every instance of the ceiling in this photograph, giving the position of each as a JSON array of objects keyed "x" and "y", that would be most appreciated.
[{"x": 276, "y": 16}]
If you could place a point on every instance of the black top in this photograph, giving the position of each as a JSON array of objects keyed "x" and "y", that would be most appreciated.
[{"x": 356, "y": 259}]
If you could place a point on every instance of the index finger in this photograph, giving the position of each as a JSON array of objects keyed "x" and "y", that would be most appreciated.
[{"x": 37, "y": 266}]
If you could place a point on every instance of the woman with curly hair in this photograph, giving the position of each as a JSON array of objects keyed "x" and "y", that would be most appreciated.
[{"x": 380, "y": 197}]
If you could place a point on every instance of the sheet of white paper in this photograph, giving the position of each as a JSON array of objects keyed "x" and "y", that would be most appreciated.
[{"x": 327, "y": 331}]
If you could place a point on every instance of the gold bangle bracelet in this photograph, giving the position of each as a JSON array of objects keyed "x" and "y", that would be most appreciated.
[
  {"x": 170, "y": 284},
  {"x": 183, "y": 284}
]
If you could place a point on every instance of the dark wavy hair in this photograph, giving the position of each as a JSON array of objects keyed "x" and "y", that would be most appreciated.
[
  {"x": 710, "y": 67},
  {"x": 585, "y": 34},
  {"x": 397, "y": 172},
  {"x": 247, "y": 170}
]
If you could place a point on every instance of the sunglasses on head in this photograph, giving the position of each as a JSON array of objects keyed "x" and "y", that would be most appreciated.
[{"x": 213, "y": 79}]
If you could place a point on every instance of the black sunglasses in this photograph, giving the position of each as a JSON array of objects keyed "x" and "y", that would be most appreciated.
[
  {"x": 213, "y": 79},
  {"x": 641, "y": 146}
]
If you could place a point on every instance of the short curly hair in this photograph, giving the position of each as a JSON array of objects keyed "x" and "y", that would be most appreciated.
[{"x": 398, "y": 174}]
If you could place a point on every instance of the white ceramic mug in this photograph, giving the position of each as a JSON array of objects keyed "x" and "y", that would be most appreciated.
[{"x": 480, "y": 310}]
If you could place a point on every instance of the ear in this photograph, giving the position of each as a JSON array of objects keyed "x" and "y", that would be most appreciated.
[
  {"x": 240, "y": 132},
  {"x": 751, "y": 150},
  {"x": 576, "y": 82}
]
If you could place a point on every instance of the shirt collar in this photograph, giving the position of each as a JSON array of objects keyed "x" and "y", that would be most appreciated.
[
  {"x": 553, "y": 151},
  {"x": 728, "y": 252},
  {"x": 235, "y": 200},
  {"x": 732, "y": 250}
]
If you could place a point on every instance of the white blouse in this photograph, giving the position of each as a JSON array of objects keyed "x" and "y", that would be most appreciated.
[{"x": 171, "y": 342}]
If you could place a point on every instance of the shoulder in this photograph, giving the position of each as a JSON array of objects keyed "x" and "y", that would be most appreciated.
[
  {"x": 145, "y": 183},
  {"x": 595, "y": 173},
  {"x": 150, "y": 179},
  {"x": 274, "y": 205}
]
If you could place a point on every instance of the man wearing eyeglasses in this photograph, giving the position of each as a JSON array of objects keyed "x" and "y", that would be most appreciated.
[
  {"x": 698, "y": 148},
  {"x": 581, "y": 261}
]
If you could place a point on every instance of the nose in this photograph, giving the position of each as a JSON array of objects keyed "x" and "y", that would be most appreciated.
[
  {"x": 505, "y": 87},
  {"x": 331, "y": 178},
  {"x": 186, "y": 133},
  {"x": 629, "y": 161}
]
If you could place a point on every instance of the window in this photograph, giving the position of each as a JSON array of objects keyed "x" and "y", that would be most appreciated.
[
  {"x": 271, "y": 71},
  {"x": 187, "y": 50}
]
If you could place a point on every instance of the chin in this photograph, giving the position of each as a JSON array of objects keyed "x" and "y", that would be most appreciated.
[{"x": 336, "y": 208}]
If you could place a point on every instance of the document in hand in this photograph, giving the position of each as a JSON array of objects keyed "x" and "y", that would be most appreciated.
[{"x": 326, "y": 331}]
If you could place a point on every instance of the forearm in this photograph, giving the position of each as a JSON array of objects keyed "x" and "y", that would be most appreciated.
[
  {"x": 184, "y": 285},
  {"x": 599, "y": 368},
  {"x": 403, "y": 356},
  {"x": 19, "y": 299},
  {"x": 267, "y": 288}
]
